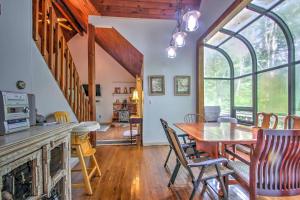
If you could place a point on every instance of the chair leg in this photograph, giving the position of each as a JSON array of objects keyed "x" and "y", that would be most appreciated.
[
  {"x": 168, "y": 156},
  {"x": 197, "y": 182},
  {"x": 96, "y": 165},
  {"x": 84, "y": 171},
  {"x": 174, "y": 174},
  {"x": 220, "y": 178}
]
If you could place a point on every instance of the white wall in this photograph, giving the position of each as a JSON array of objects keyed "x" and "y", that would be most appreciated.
[
  {"x": 151, "y": 37},
  {"x": 109, "y": 74},
  {"x": 21, "y": 60}
]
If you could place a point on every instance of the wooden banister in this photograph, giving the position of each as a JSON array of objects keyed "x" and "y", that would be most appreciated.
[{"x": 49, "y": 38}]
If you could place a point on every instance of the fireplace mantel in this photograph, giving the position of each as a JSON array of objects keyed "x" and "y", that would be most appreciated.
[{"x": 36, "y": 144}]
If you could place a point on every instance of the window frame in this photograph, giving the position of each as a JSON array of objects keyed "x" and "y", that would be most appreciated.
[{"x": 291, "y": 64}]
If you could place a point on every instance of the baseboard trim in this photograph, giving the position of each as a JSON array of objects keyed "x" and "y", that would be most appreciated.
[{"x": 155, "y": 144}]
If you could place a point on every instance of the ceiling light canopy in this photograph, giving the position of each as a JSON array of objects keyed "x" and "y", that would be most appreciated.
[{"x": 191, "y": 19}]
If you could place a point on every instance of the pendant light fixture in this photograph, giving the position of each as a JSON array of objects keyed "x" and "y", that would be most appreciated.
[
  {"x": 171, "y": 50},
  {"x": 191, "y": 19}
]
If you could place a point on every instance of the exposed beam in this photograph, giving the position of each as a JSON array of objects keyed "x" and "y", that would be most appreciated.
[
  {"x": 120, "y": 49},
  {"x": 92, "y": 77}
]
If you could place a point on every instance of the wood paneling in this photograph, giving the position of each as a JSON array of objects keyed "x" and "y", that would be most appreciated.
[
  {"x": 157, "y": 9},
  {"x": 120, "y": 49}
]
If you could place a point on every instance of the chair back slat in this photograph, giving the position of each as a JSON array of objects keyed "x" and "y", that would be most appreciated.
[
  {"x": 62, "y": 117},
  {"x": 192, "y": 118},
  {"x": 293, "y": 120},
  {"x": 266, "y": 120},
  {"x": 275, "y": 164},
  {"x": 177, "y": 147}
]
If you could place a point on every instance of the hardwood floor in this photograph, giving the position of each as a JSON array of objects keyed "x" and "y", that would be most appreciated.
[
  {"x": 137, "y": 173},
  {"x": 113, "y": 133}
]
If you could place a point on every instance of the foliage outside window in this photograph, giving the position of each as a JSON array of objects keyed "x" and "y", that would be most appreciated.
[
  {"x": 240, "y": 56},
  {"x": 268, "y": 42},
  {"x": 217, "y": 93},
  {"x": 216, "y": 65},
  {"x": 243, "y": 92}
]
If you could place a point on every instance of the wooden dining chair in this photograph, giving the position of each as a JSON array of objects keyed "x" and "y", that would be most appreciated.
[
  {"x": 264, "y": 120},
  {"x": 293, "y": 120},
  {"x": 209, "y": 169},
  {"x": 274, "y": 167},
  {"x": 189, "y": 148},
  {"x": 62, "y": 117}
]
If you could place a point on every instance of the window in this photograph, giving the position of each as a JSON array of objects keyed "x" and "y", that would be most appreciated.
[
  {"x": 289, "y": 11},
  {"x": 217, "y": 93},
  {"x": 268, "y": 41},
  {"x": 241, "y": 19},
  {"x": 243, "y": 92},
  {"x": 265, "y": 3},
  {"x": 240, "y": 56},
  {"x": 216, "y": 65},
  {"x": 273, "y": 91},
  {"x": 217, "y": 39}
]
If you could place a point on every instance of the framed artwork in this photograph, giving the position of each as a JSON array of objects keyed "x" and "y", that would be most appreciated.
[
  {"x": 182, "y": 85},
  {"x": 156, "y": 85}
]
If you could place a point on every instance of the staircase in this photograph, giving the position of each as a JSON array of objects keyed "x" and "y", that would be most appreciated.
[{"x": 52, "y": 44}]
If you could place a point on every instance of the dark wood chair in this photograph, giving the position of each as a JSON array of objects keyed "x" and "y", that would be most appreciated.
[
  {"x": 293, "y": 120},
  {"x": 264, "y": 120},
  {"x": 189, "y": 148},
  {"x": 275, "y": 165},
  {"x": 209, "y": 169}
]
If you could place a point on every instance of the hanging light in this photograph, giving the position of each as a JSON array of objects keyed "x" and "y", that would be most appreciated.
[
  {"x": 179, "y": 38},
  {"x": 171, "y": 50},
  {"x": 191, "y": 19}
]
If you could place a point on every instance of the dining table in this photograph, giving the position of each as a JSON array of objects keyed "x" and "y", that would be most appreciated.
[{"x": 211, "y": 137}]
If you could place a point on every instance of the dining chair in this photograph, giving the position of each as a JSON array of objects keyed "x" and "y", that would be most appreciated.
[
  {"x": 264, "y": 120},
  {"x": 293, "y": 120},
  {"x": 189, "y": 148},
  {"x": 274, "y": 165},
  {"x": 209, "y": 168},
  {"x": 62, "y": 117},
  {"x": 192, "y": 118}
]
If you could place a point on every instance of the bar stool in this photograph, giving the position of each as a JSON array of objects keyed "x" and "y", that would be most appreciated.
[{"x": 82, "y": 148}]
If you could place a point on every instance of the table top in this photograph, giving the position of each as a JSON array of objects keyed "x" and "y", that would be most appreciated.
[{"x": 219, "y": 132}]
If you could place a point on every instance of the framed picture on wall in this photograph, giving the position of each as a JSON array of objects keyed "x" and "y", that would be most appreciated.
[
  {"x": 156, "y": 85},
  {"x": 182, "y": 85}
]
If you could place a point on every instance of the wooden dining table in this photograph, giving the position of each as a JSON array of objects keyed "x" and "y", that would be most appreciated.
[{"x": 209, "y": 136}]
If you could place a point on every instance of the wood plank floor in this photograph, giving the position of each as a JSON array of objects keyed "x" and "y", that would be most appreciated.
[{"x": 137, "y": 173}]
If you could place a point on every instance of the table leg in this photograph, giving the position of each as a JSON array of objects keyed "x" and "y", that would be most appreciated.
[{"x": 210, "y": 147}]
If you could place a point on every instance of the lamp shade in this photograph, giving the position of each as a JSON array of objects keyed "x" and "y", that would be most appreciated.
[
  {"x": 179, "y": 38},
  {"x": 191, "y": 19},
  {"x": 135, "y": 95},
  {"x": 171, "y": 50}
]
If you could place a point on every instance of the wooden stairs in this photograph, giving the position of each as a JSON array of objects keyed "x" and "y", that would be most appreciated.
[{"x": 49, "y": 38}]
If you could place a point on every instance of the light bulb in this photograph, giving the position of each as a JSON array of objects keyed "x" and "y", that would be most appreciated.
[
  {"x": 179, "y": 38},
  {"x": 191, "y": 20},
  {"x": 171, "y": 50}
]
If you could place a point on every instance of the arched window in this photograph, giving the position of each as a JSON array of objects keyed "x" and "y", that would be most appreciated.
[
  {"x": 268, "y": 41},
  {"x": 240, "y": 56},
  {"x": 217, "y": 80}
]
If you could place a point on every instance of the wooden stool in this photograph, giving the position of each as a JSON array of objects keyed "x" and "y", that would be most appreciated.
[{"x": 82, "y": 148}]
